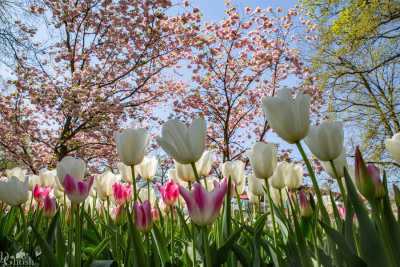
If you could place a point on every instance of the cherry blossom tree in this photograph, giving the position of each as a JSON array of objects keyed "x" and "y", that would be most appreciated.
[
  {"x": 239, "y": 60},
  {"x": 103, "y": 65}
]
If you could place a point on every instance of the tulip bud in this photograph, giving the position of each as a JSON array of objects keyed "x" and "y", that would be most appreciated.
[
  {"x": 326, "y": 140},
  {"x": 204, "y": 164},
  {"x": 49, "y": 206},
  {"x": 148, "y": 168},
  {"x": 103, "y": 184},
  {"x": 116, "y": 213},
  {"x": 368, "y": 178},
  {"x": 255, "y": 185},
  {"x": 155, "y": 214},
  {"x": 77, "y": 190},
  {"x": 233, "y": 169},
  {"x": 203, "y": 206},
  {"x": 342, "y": 212},
  {"x": 143, "y": 218},
  {"x": 305, "y": 207},
  {"x": 288, "y": 117},
  {"x": 277, "y": 180},
  {"x": 131, "y": 145},
  {"x": 393, "y": 146},
  {"x": 13, "y": 191},
  {"x": 75, "y": 167},
  {"x": 185, "y": 172},
  {"x": 293, "y": 175},
  {"x": 40, "y": 193},
  {"x": 182, "y": 143},
  {"x": 262, "y": 158},
  {"x": 169, "y": 192},
  {"x": 121, "y": 192}
]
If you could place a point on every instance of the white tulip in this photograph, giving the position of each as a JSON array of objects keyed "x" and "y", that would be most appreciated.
[
  {"x": 16, "y": 172},
  {"x": 75, "y": 167},
  {"x": 126, "y": 171},
  {"x": 235, "y": 170},
  {"x": 182, "y": 143},
  {"x": 393, "y": 146},
  {"x": 276, "y": 196},
  {"x": 293, "y": 176},
  {"x": 131, "y": 145},
  {"x": 47, "y": 177},
  {"x": 339, "y": 163},
  {"x": 253, "y": 199},
  {"x": 185, "y": 172},
  {"x": 326, "y": 140},
  {"x": 143, "y": 195},
  {"x": 262, "y": 158},
  {"x": 13, "y": 191},
  {"x": 148, "y": 168},
  {"x": 204, "y": 164},
  {"x": 103, "y": 184},
  {"x": 287, "y": 116},
  {"x": 33, "y": 180},
  {"x": 277, "y": 180},
  {"x": 256, "y": 185}
]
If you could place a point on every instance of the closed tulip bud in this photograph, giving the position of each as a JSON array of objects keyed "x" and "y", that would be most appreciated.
[
  {"x": 255, "y": 185},
  {"x": 293, "y": 176},
  {"x": 13, "y": 191},
  {"x": 121, "y": 193},
  {"x": 262, "y": 159},
  {"x": 342, "y": 212},
  {"x": 276, "y": 196},
  {"x": 393, "y": 146},
  {"x": 288, "y": 117},
  {"x": 75, "y": 167},
  {"x": 368, "y": 178},
  {"x": 277, "y": 180},
  {"x": 49, "y": 206},
  {"x": 169, "y": 192},
  {"x": 326, "y": 140},
  {"x": 203, "y": 206},
  {"x": 47, "y": 177},
  {"x": 126, "y": 171},
  {"x": 148, "y": 168},
  {"x": 340, "y": 163},
  {"x": 182, "y": 143},
  {"x": 143, "y": 216},
  {"x": 103, "y": 184},
  {"x": 131, "y": 145},
  {"x": 185, "y": 172},
  {"x": 204, "y": 164},
  {"x": 305, "y": 207},
  {"x": 77, "y": 190},
  {"x": 17, "y": 172},
  {"x": 235, "y": 170}
]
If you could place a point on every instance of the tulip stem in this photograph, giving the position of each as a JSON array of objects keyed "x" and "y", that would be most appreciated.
[
  {"x": 172, "y": 233},
  {"x": 339, "y": 180},
  {"x": 70, "y": 234},
  {"x": 78, "y": 236},
  {"x": 196, "y": 174},
  {"x": 271, "y": 208},
  {"x": 239, "y": 205},
  {"x": 207, "y": 256},
  {"x": 24, "y": 225},
  {"x": 314, "y": 182},
  {"x": 134, "y": 183},
  {"x": 194, "y": 245}
]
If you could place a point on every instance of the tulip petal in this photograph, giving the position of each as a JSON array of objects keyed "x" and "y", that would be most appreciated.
[{"x": 69, "y": 184}]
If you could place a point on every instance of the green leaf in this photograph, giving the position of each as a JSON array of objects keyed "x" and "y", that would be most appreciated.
[
  {"x": 96, "y": 251},
  {"x": 183, "y": 223},
  {"x": 223, "y": 251},
  {"x": 50, "y": 259},
  {"x": 242, "y": 255},
  {"x": 161, "y": 245},
  {"x": 136, "y": 241},
  {"x": 51, "y": 233}
]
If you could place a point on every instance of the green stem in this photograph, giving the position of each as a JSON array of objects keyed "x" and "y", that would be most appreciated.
[
  {"x": 172, "y": 233},
  {"x": 24, "y": 225},
  {"x": 207, "y": 255},
  {"x": 78, "y": 236},
  {"x": 194, "y": 245},
  {"x": 271, "y": 208},
  {"x": 70, "y": 234},
  {"x": 196, "y": 174},
  {"x": 325, "y": 215},
  {"x": 134, "y": 183},
  {"x": 339, "y": 180},
  {"x": 239, "y": 205},
  {"x": 148, "y": 190}
]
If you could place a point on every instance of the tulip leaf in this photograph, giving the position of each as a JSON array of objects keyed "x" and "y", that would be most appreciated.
[
  {"x": 223, "y": 251},
  {"x": 91, "y": 224},
  {"x": 96, "y": 251},
  {"x": 242, "y": 255},
  {"x": 51, "y": 233},
  {"x": 226, "y": 220},
  {"x": 160, "y": 243},
  {"x": 184, "y": 224},
  {"x": 60, "y": 246},
  {"x": 46, "y": 249}
]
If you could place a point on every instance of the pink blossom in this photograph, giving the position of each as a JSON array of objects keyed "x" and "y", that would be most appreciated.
[
  {"x": 169, "y": 192},
  {"x": 121, "y": 192},
  {"x": 40, "y": 193},
  {"x": 143, "y": 216},
  {"x": 77, "y": 190}
]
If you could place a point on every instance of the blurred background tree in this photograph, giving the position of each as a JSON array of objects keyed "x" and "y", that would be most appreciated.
[{"x": 357, "y": 60}]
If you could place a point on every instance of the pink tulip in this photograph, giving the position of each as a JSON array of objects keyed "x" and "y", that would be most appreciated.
[
  {"x": 77, "y": 190},
  {"x": 155, "y": 214},
  {"x": 342, "y": 212},
  {"x": 305, "y": 207},
  {"x": 40, "y": 193},
  {"x": 117, "y": 212},
  {"x": 204, "y": 206},
  {"x": 169, "y": 192},
  {"x": 143, "y": 216},
  {"x": 122, "y": 193},
  {"x": 49, "y": 206}
]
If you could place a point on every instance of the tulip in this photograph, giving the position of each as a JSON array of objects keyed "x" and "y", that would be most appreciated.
[
  {"x": 103, "y": 184},
  {"x": 16, "y": 172},
  {"x": 145, "y": 194},
  {"x": 204, "y": 206},
  {"x": 169, "y": 192},
  {"x": 126, "y": 171},
  {"x": 262, "y": 158},
  {"x": 288, "y": 117},
  {"x": 117, "y": 213},
  {"x": 185, "y": 172},
  {"x": 33, "y": 180},
  {"x": 121, "y": 192},
  {"x": 277, "y": 196},
  {"x": 233, "y": 169},
  {"x": 256, "y": 186},
  {"x": 13, "y": 191},
  {"x": 368, "y": 178},
  {"x": 40, "y": 193},
  {"x": 293, "y": 175},
  {"x": 205, "y": 163},
  {"x": 277, "y": 180},
  {"x": 393, "y": 146},
  {"x": 49, "y": 206},
  {"x": 182, "y": 143},
  {"x": 143, "y": 217},
  {"x": 340, "y": 163},
  {"x": 147, "y": 169},
  {"x": 326, "y": 140},
  {"x": 155, "y": 214},
  {"x": 305, "y": 207},
  {"x": 131, "y": 145},
  {"x": 342, "y": 212},
  {"x": 75, "y": 167},
  {"x": 253, "y": 199},
  {"x": 47, "y": 177},
  {"x": 77, "y": 190}
]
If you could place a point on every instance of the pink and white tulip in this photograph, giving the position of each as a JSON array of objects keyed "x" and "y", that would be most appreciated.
[
  {"x": 121, "y": 192},
  {"x": 143, "y": 216},
  {"x": 169, "y": 192},
  {"x": 77, "y": 190},
  {"x": 204, "y": 206},
  {"x": 49, "y": 206},
  {"x": 40, "y": 193}
]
